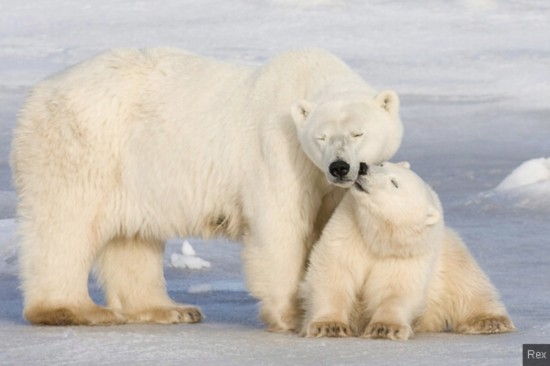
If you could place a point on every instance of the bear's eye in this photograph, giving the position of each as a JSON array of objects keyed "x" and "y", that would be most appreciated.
[
  {"x": 394, "y": 182},
  {"x": 321, "y": 138},
  {"x": 356, "y": 134}
]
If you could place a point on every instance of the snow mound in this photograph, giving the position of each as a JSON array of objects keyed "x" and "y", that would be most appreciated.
[
  {"x": 531, "y": 173},
  {"x": 188, "y": 258},
  {"x": 527, "y": 188}
]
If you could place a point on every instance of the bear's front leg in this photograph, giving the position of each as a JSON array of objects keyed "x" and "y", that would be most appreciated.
[
  {"x": 274, "y": 258},
  {"x": 395, "y": 296},
  {"x": 329, "y": 290},
  {"x": 273, "y": 270},
  {"x": 392, "y": 320}
]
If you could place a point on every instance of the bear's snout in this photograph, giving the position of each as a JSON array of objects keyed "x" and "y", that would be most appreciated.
[{"x": 338, "y": 168}]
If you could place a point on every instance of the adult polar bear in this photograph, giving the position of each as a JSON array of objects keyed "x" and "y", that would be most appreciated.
[{"x": 123, "y": 151}]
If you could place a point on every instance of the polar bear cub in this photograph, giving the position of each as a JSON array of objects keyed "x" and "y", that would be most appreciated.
[{"x": 386, "y": 266}]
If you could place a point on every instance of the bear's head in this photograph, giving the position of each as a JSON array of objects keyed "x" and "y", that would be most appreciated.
[
  {"x": 393, "y": 193},
  {"x": 340, "y": 133},
  {"x": 398, "y": 214}
]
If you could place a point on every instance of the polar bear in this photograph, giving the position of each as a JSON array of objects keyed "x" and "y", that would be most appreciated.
[
  {"x": 386, "y": 265},
  {"x": 115, "y": 155}
]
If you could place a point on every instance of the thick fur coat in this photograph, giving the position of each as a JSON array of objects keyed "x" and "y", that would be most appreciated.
[
  {"x": 386, "y": 266},
  {"x": 115, "y": 155}
]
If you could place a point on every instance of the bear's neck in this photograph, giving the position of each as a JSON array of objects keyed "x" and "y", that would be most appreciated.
[{"x": 385, "y": 239}]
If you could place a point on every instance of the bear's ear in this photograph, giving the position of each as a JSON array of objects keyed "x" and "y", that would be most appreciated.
[
  {"x": 433, "y": 216},
  {"x": 404, "y": 164},
  {"x": 300, "y": 110},
  {"x": 389, "y": 100}
]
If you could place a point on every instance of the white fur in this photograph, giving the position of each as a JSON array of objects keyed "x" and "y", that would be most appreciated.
[
  {"x": 349, "y": 127},
  {"x": 387, "y": 265},
  {"x": 123, "y": 151}
]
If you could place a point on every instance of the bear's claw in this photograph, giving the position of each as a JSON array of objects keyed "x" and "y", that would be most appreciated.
[
  {"x": 388, "y": 331},
  {"x": 328, "y": 329},
  {"x": 487, "y": 324}
]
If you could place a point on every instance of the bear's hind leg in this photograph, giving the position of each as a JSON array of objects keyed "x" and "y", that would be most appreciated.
[
  {"x": 55, "y": 265},
  {"x": 486, "y": 324},
  {"x": 89, "y": 314},
  {"x": 132, "y": 274},
  {"x": 463, "y": 297},
  {"x": 483, "y": 313}
]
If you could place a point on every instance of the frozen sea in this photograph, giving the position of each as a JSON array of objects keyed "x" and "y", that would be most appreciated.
[{"x": 474, "y": 81}]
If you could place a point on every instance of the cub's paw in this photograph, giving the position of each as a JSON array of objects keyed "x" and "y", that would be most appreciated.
[
  {"x": 328, "y": 329},
  {"x": 168, "y": 315},
  {"x": 388, "y": 331},
  {"x": 487, "y": 324}
]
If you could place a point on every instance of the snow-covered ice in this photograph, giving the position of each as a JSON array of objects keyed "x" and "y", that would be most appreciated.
[{"x": 473, "y": 79}]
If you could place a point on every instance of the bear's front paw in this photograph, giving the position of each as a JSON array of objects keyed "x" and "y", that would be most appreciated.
[
  {"x": 328, "y": 329},
  {"x": 280, "y": 321},
  {"x": 487, "y": 324},
  {"x": 388, "y": 331},
  {"x": 168, "y": 315}
]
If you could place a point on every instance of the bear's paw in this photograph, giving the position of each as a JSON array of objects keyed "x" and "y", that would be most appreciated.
[
  {"x": 168, "y": 315},
  {"x": 487, "y": 324},
  {"x": 74, "y": 315},
  {"x": 328, "y": 329},
  {"x": 388, "y": 331}
]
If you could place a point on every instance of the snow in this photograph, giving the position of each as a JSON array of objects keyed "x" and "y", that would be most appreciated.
[
  {"x": 527, "y": 187},
  {"x": 473, "y": 80},
  {"x": 533, "y": 172},
  {"x": 188, "y": 258}
]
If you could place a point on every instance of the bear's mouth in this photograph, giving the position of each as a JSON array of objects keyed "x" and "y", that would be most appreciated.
[
  {"x": 342, "y": 182},
  {"x": 360, "y": 188}
]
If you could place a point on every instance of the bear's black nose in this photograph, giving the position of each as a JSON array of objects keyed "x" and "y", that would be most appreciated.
[
  {"x": 363, "y": 169},
  {"x": 338, "y": 168}
]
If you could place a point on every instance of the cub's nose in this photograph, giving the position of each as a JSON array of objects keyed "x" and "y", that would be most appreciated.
[
  {"x": 338, "y": 168},
  {"x": 363, "y": 169}
]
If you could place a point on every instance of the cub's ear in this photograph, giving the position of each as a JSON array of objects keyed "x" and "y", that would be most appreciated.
[
  {"x": 404, "y": 164},
  {"x": 433, "y": 216},
  {"x": 388, "y": 100},
  {"x": 300, "y": 110}
]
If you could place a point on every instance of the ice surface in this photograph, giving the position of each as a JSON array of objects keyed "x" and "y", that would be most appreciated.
[{"x": 473, "y": 80}]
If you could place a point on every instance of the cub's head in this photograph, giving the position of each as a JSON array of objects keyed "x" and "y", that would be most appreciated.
[
  {"x": 337, "y": 135},
  {"x": 393, "y": 193}
]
